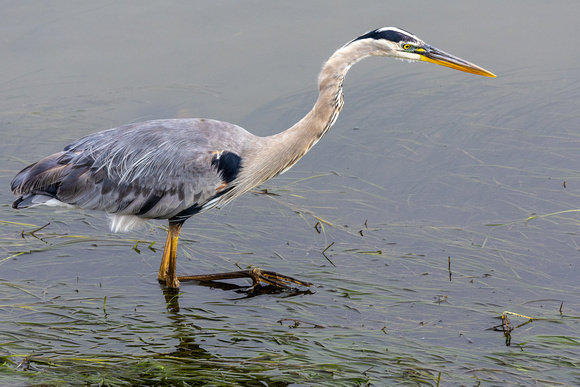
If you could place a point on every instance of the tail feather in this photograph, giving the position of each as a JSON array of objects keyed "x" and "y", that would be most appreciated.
[
  {"x": 38, "y": 183},
  {"x": 19, "y": 179},
  {"x": 31, "y": 200},
  {"x": 38, "y": 176}
]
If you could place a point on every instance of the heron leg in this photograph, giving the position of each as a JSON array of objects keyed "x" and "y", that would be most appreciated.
[
  {"x": 167, "y": 268},
  {"x": 168, "y": 276},
  {"x": 165, "y": 259}
]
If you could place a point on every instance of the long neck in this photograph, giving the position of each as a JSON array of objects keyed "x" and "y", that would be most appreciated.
[
  {"x": 293, "y": 143},
  {"x": 269, "y": 156},
  {"x": 281, "y": 151}
]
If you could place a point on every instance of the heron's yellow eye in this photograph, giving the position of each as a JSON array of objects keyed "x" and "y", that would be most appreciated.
[{"x": 407, "y": 46}]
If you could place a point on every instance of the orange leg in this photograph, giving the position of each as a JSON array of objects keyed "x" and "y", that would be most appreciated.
[
  {"x": 167, "y": 268},
  {"x": 168, "y": 277}
]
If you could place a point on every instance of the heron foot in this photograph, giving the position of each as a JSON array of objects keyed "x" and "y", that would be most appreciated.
[{"x": 257, "y": 275}]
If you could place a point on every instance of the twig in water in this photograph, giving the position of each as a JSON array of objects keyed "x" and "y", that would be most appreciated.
[
  {"x": 298, "y": 322},
  {"x": 33, "y": 231},
  {"x": 317, "y": 227},
  {"x": 328, "y": 259},
  {"x": 449, "y": 259}
]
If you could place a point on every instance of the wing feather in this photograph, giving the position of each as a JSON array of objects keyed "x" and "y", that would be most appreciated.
[{"x": 155, "y": 169}]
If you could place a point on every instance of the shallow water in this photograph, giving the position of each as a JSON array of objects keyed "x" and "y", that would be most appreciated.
[{"x": 420, "y": 197}]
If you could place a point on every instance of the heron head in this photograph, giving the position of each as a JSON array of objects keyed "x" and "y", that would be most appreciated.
[{"x": 401, "y": 44}]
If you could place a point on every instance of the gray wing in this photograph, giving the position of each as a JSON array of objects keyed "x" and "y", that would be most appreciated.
[{"x": 156, "y": 169}]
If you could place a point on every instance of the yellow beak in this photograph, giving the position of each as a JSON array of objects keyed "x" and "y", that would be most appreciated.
[{"x": 433, "y": 55}]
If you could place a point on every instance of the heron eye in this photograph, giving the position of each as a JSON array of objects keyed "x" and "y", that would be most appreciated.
[{"x": 407, "y": 46}]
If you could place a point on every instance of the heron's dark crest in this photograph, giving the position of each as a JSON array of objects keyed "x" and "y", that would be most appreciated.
[{"x": 392, "y": 34}]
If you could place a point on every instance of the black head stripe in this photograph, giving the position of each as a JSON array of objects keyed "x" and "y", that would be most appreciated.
[{"x": 392, "y": 34}]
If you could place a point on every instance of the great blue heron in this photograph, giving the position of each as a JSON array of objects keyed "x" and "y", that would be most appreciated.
[{"x": 176, "y": 168}]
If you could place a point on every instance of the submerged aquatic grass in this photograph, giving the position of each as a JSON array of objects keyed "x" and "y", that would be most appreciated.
[
  {"x": 85, "y": 308},
  {"x": 396, "y": 317}
]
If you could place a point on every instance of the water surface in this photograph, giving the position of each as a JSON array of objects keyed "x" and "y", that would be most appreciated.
[{"x": 424, "y": 190}]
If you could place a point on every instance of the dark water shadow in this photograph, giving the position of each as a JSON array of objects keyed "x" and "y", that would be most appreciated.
[{"x": 245, "y": 292}]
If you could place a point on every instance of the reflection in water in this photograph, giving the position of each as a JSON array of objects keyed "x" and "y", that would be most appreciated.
[{"x": 246, "y": 292}]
